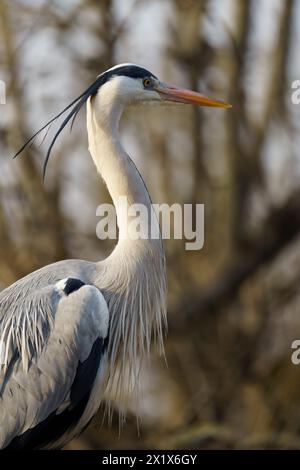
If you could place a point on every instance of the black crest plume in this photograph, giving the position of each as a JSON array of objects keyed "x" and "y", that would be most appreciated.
[{"x": 74, "y": 108}]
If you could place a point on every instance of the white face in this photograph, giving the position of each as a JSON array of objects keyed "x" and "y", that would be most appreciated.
[
  {"x": 131, "y": 91},
  {"x": 123, "y": 90}
]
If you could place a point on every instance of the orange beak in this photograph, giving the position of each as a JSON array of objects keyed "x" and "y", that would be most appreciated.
[{"x": 181, "y": 95}]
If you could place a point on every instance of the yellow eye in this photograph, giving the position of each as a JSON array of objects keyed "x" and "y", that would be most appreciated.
[{"x": 147, "y": 82}]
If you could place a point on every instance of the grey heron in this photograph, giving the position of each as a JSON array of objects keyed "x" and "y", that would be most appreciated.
[{"x": 70, "y": 329}]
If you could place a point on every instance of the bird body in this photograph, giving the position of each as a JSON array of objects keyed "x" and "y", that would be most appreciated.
[
  {"x": 72, "y": 319},
  {"x": 73, "y": 330}
]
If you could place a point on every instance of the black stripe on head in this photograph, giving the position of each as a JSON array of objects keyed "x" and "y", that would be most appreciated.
[{"x": 128, "y": 70}]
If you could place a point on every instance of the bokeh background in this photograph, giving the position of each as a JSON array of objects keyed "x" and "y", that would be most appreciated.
[{"x": 234, "y": 306}]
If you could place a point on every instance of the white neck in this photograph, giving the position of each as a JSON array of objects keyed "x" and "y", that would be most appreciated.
[
  {"x": 117, "y": 169},
  {"x": 133, "y": 277}
]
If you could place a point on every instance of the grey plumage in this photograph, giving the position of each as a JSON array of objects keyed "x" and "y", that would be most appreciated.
[
  {"x": 44, "y": 341},
  {"x": 38, "y": 366}
]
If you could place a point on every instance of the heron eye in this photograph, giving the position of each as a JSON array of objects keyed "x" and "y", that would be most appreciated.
[{"x": 147, "y": 82}]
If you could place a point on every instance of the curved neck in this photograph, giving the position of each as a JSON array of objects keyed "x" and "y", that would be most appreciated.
[
  {"x": 121, "y": 176},
  {"x": 133, "y": 277}
]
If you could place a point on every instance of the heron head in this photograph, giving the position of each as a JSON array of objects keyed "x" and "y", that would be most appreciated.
[
  {"x": 130, "y": 84},
  {"x": 119, "y": 86}
]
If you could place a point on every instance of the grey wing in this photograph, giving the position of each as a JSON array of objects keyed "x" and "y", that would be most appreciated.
[{"x": 51, "y": 350}]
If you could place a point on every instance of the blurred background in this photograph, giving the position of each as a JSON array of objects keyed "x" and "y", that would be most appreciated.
[{"x": 234, "y": 306}]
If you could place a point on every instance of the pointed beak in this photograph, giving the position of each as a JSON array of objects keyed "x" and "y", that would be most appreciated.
[{"x": 181, "y": 95}]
